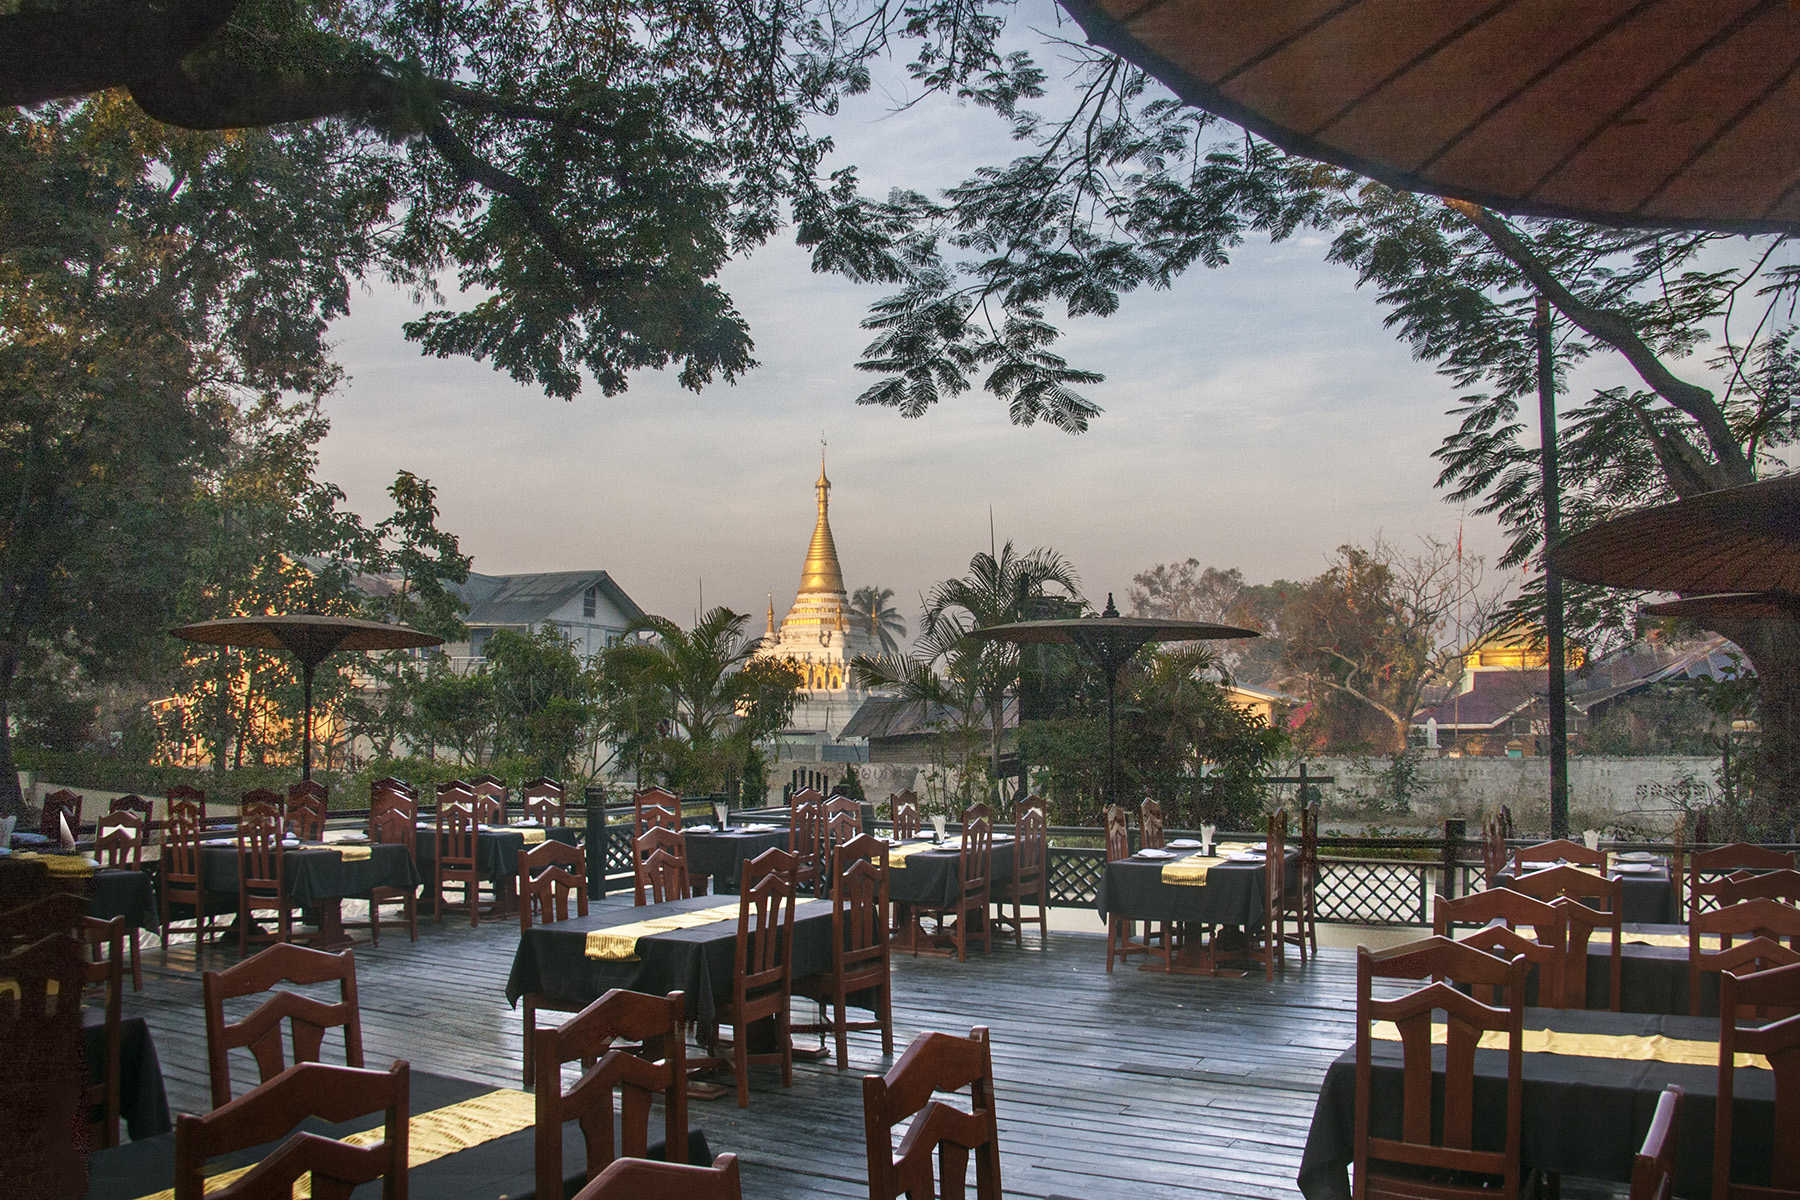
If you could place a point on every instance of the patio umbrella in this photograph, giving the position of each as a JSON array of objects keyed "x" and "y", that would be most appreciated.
[
  {"x": 1111, "y": 641},
  {"x": 1741, "y": 539},
  {"x": 1732, "y": 606},
  {"x": 1674, "y": 112},
  {"x": 309, "y": 637}
]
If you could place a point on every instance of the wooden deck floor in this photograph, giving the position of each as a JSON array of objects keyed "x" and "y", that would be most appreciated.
[{"x": 1129, "y": 1085}]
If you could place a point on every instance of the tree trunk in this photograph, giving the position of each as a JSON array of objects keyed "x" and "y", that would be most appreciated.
[
  {"x": 1773, "y": 648},
  {"x": 12, "y": 799}
]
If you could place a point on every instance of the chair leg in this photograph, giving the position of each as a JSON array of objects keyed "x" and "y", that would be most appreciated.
[
  {"x": 137, "y": 967},
  {"x": 1112, "y": 940},
  {"x": 530, "y": 1052},
  {"x": 412, "y": 916},
  {"x": 374, "y": 920},
  {"x": 740, "y": 1063},
  {"x": 841, "y": 1022}
]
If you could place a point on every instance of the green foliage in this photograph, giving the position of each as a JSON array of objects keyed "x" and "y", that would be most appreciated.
[
  {"x": 543, "y": 699},
  {"x": 690, "y": 707},
  {"x": 873, "y": 606}
]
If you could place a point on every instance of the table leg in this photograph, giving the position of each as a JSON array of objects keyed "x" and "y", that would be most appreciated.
[{"x": 331, "y": 935}]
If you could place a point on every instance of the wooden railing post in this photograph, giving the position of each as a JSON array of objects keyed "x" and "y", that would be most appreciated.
[
  {"x": 1454, "y": 830},
  {"x": 597, "y": 842}
]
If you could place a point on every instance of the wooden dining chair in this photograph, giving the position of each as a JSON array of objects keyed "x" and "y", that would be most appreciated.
[
  {"x": 630, "y": 1044},
  {"x": 1121, "y": 931},
  {"x": 307, "y": 1017},
  {"x": 60, "y": 806},
  {"x": 1299, "y": 901},
  {"x": 178, "y": 874},
  {"x": 1770, "y": 937},
  {"x": 1267, "y": 945},
  {"x": 806, "y": 836},
  {"x": 860, "y": 964},
  {"x": 105, "y": 970},
  {"x": 1493, "y": 850},
  {"x": 843, "y": 821},
  {"x": 308, "y": 1090},
  {"x": 659, "y": 871},
  {"x": 1150, "y": 825},
  {"x": 119, "y": 845},
  {"x": 1576, "y": 883},
  {"x": 1653, "y": 1170},
  {"x": 903, "y": 812},
  {"x": 262, "y": 879},
  {"x": 762, "y": 968},
  {"x": 258, "y": 801},
  {"x": 1707, "y": 870},
  {"x": 461, "y": 791},
  {"x": 1778, "y": 1042},
  {"x": 1495, "y": 919},
  {"x": 1558, "y": 850},
  {"x": 1433, "y": 1154},
  {"x": 394, "y": 820},
  {"x": 457, "y": 860},
  {"x": 968, "y": 918},
  {"x": 934, "y": 1065},
  {"x": 1584, "y": 921},
  {"x": 551, "y": 875},
  {"x": 184, "y": 794},
  {"x": 42, "y": 1085},
  {"x": 1030, "y": 882},
  {"x": 394, "y": 783},
  {"x": 1782, "y": 885},
  {"x": 492, "y": 799},
  {"x": 306, "y": 803},
  {"x": 542, "y": 801},
  {"x": 644, "y": 1179},
  {"x": 655, "y": 806},
  {"x": 133, "y": 803}
]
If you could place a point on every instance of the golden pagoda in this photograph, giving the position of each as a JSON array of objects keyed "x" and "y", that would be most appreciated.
[{"x": 817, "y": 634}]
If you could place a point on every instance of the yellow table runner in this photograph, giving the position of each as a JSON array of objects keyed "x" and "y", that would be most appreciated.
[
  {"x": 429, "y": 1135},
  {"x": 58, "y": 864},
  {"x": 1190, "y": 871},
  {"x": 897, "y": 855},
  {"x": 348, "y": 851},
  {"x": 532, "y": 834},
  {"x": 1633, "y": 1047},
  {"x": 618, "y": 943}
]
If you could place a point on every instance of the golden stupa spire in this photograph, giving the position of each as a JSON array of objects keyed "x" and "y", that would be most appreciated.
[
  {"x": 821, "y": 572},
  {"x": 771, "y": 630}
]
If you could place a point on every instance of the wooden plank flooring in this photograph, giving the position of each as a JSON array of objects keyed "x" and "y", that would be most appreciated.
[{"x": 1127, "y": 1085}]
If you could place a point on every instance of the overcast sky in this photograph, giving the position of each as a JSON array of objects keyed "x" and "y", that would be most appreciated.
[{"x": 1256, "y": 416}]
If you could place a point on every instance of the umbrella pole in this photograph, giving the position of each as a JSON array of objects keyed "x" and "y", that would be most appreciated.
[
  {"x": 1112, "y": 736},
  {"x": 1553, "y": 597},
  {"x": 306, "y": 674}
]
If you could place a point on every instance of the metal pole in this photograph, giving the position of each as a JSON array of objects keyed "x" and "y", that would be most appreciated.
[
  {"x": 306, "y": 674},
  {"x": 1553, "y": 599},
  {"x": 1112, "y": 735}
]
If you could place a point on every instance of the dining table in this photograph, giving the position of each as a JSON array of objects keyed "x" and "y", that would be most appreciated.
[
  {"x": 720, "y": 854},
  {"x": 687, "y": 945},
  {"x": 143, "y": 1099},
  {"x": 1647, "y": 891},
  {"x": 924, "y": 873},
  {"x": 467, "y": 1140},
  {"x": 128, "y": 892},
  {"x": 319, "y": 877},
  {"x": 1591, "y": 1082},
  {"x": 497, "y": 850},
  {"x": 1179, "y": 882}
]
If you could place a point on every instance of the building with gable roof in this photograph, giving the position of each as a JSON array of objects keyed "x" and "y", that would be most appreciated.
[{"x": 587, "y": 607}]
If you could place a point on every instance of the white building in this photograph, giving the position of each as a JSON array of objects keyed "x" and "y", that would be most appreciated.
[{"x": 586, "y": 607}]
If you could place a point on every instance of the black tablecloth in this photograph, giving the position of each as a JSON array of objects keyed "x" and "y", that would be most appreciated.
[
  {"x": 1645, "y": 899},
  {"x": 316, "y": 873},
  {"x": 502, "y": 1167},
  {"x": 125, "y": 892},
  {"x": 1232, "y": 894},
  {"x": 934, "y": 877},
  {"x": 551, "y": 961},
  {"x": 1582, "y": 1116},
  {"x": 143, "y": 1105},
  {"x": 723, "y": 853},
  {"x": 496, "y": 850}
]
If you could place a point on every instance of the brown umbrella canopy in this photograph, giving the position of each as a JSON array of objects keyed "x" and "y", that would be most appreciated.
[
  {"x": 1732, "y": 606},
  {"x": 1660, "y": 112},
  {"x": 1109, "y": 640},
  {"x": 1742, "y": 539},
  {"x": 309, "y": 637}
]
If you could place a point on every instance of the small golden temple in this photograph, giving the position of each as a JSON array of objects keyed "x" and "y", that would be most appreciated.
[{"x": 820, "y": 633}]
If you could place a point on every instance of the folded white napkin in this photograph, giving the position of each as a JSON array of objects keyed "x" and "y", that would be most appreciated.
[{"x": 68, "y": 835}]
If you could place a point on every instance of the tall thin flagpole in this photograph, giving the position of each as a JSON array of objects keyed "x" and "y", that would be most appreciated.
[{"x": 1553, "y": 598}]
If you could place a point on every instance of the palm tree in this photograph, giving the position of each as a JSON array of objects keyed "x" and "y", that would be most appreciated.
[
  {"x": 873, "y": 606},
  {"x": 970, "y": 673}
]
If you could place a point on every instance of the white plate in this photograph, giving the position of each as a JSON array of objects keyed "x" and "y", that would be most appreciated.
[
  {"x": 1248, "y": 858},
  {"x": 1184, "y": 844},
  {"x": 1153, "y": 853},
  {"x": 1638, "y": 856},
  {"x": 697, "y": 829},
  {"x": 1636, "y": 868}
]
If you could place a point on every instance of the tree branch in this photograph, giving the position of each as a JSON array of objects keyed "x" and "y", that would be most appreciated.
[
  {"x": 76, "y": 48},
  {"x": 1733, "y": 465}
]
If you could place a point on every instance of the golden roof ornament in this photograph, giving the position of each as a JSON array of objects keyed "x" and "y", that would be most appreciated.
[{"x": 822, "y": 573}]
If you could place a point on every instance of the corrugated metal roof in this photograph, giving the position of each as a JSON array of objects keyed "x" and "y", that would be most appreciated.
[
  {"x": 890, "y": 716},
  {"x": 529, "y": 598}
]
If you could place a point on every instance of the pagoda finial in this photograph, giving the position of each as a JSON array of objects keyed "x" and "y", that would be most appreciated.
[
  {"x": 771, "y": 629},
  {"x": 822, "y": 572}
]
